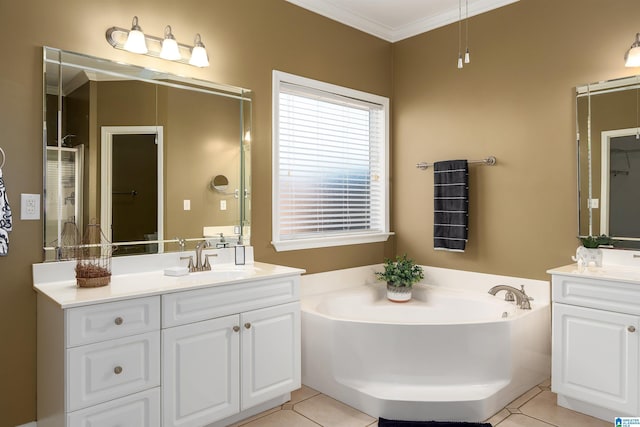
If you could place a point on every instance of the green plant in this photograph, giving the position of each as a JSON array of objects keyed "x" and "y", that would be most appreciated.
[
  {"x": 593, "y": 242},
  {"x": 401, "y": 272}
]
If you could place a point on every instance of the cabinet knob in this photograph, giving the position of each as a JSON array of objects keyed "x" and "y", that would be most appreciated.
[
  {"x": 117, "y": 370},
  {"x": 236, "y": 328},
  {"x": 247, "y": 325},
  {"x": 631, "y": 328},
  {"x": 118, "y": 321}
]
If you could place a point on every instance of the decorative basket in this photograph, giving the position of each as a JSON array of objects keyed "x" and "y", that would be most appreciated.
[{"x": 93, "y": 267}]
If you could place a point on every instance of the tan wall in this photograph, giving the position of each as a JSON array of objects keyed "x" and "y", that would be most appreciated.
[
  {"x": 514, "y": 101},
  {"x": 245, "y": 39}
]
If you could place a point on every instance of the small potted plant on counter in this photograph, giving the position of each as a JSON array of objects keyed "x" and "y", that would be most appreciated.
[{"x": 400, "y": 276}]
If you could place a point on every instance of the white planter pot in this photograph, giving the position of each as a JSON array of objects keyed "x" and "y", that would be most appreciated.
[{"x": 398, "y": 293}]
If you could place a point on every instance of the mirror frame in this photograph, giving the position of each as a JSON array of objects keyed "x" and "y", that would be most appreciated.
[
  {"x": 585, "y": 165},
  {"x": 119, "y": 70}
]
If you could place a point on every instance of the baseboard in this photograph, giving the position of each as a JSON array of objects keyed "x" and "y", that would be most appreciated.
[{"x": 31, "y": 424}]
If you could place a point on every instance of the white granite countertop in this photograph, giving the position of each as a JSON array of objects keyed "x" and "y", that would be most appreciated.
[
  {"x": 55, "y": 281},
  {"x": 616, "y": 273}
]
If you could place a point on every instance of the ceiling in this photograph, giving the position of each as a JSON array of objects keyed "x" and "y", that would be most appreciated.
[{"x": 394, "y": 20}]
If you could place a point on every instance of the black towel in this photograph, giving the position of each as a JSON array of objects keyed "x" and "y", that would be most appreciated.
[
  {"x": 391, "y": 423},
  {"x": 450, "y": 205}
]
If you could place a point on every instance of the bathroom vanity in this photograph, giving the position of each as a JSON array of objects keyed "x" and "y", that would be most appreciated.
[
  {"x": 596, "y": 323},
  {"x": 208, "y": 348}
]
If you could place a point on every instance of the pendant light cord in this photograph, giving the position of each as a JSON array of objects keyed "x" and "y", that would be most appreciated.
[{"x": 459, "y": 33}]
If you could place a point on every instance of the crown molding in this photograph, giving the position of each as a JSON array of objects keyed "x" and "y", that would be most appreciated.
[{"x": 395, "y": 34}]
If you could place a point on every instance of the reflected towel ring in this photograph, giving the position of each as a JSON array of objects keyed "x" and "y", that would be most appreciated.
[{"x": 4, "y": 157}]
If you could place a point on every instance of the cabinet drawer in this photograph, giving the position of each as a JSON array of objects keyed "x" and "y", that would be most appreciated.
[
  {"x": 609, "y": 295},
  {"x": 193, "y": 306},
  {"x": 137, "y": 410},
  {"x": 111, "y": 369},
  {"x": 99, "y": 322}
]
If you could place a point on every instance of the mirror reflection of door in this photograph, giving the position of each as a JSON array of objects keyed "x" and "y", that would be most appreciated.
[
  {"x": 131, "y": 193},
  {"x": 620, "y": 208}
]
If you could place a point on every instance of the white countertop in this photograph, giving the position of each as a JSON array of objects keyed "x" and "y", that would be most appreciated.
[
  {"x": 618, "y": 273},
  {"x": 139, "y": 284}
]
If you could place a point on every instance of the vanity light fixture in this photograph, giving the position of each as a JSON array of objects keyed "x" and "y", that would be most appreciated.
[
  {"x": 199, "y": 56},
  {"x": 170, "y": 48},
  {"x": 632, "y": 57},
  {"x": 135, "y": 40},
  {"x": 166, "y": 47}
]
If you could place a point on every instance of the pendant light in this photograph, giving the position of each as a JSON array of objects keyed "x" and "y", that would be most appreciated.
[
  {"x": 136, "y": 42},
  {"x": 467, "y": 57},
  {"x": 170, "y": 48},
  {"x": 460, "y": 65}
]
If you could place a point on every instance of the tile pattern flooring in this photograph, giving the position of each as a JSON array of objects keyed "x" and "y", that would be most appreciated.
[{"x": 309, "y": 408}]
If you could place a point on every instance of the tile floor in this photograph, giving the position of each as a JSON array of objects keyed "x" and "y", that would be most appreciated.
[{"x": 309, "y": 408}]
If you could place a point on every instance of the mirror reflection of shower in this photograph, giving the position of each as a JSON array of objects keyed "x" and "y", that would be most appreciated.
[{"x": 63, "y": 188}]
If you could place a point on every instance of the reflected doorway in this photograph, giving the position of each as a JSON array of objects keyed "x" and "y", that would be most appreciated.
[
  {"x": 131, "y": 189},
  {"x": 620, "y": 208}
]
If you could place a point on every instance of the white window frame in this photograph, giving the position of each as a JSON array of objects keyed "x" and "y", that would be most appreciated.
[{"x": 329, "y": 240}]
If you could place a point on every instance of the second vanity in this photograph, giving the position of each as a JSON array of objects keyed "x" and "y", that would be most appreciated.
[
  {"x": 596, "y": 327},
  {"x": 208, "y": 348}
]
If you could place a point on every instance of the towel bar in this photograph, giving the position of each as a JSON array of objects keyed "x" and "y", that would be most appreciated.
[
  {"x": 4, "y": 157},
  {"x": 489, "y": 161}
]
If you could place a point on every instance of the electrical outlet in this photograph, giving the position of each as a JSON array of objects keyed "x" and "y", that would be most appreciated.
[
  {"x": 223, "y": 205},
  {"x": 29, "y": 206},
  {"x": 594, "y": 203}
]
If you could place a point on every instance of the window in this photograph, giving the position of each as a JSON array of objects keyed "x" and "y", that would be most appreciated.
[{"x": 330, "y": 165}]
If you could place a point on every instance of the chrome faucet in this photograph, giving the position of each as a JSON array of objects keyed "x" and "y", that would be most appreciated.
[
  {"x": 522, "y": 299},
  {"x": 199, "y": 265}
]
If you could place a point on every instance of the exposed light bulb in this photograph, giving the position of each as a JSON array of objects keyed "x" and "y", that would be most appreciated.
[
  {"x": 460, "y": 61},
  {"x": 467, "y": 57},
  {"x": 136, "y": 42}
]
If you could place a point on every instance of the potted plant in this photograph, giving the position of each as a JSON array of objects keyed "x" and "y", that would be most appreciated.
[{"x": 400, "y": 275}]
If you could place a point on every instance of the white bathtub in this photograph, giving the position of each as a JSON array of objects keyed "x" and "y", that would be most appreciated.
[{"x": 454, "y": 353}]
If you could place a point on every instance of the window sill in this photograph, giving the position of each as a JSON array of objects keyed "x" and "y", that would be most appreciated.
[{"x": 325, "y": 242}]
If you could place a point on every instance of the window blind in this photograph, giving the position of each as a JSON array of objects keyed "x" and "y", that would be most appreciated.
[{"x": 330, "y": 164}]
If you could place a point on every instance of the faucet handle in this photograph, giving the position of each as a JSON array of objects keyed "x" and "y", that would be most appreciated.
[
  {"x": 207, "y": 265},
  {"x": 190, "y": 266},
  {"x": 525, "y": 294}
]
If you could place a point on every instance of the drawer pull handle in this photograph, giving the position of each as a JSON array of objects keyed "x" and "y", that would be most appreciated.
[
  {"x": 117, "y": 370},
  {"x": 236, "y": 328},
  {"x": 247, "y": 325},
  {"x": 118, "y": 321},
  {"x": 631, "y": 328}
]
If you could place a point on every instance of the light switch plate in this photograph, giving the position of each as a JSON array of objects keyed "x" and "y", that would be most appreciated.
[
  {"x": 30, "y": 206},
  {"x": 223, "y": 205},
  {"x": 594, "y": 203},
  {"x": 186, "y": 204}
]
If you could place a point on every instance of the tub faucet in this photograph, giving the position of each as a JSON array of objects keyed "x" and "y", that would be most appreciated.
[{"x": 522, "y": 299}]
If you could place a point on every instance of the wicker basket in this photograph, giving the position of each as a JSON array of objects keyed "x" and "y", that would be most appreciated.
[{"x": 93, "y": 265}]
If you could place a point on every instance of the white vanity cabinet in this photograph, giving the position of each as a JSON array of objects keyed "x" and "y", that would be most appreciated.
[
  {"x": 200, "y": 356},
  {"x": 99, "y": 362},
  {"x": 217, "y": 367},
  {"x": 596, "y": 327}
]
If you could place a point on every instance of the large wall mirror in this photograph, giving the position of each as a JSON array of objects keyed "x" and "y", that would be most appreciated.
[
  {"x": 608, "y": 124},
  {"x": 136, "y": 150}
]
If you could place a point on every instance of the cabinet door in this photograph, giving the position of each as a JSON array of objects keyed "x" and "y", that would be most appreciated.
[
  {"x": 595, "y": 357},
  {"x": 200, "y": 369},
  {"x": 270, "y": 353}
]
